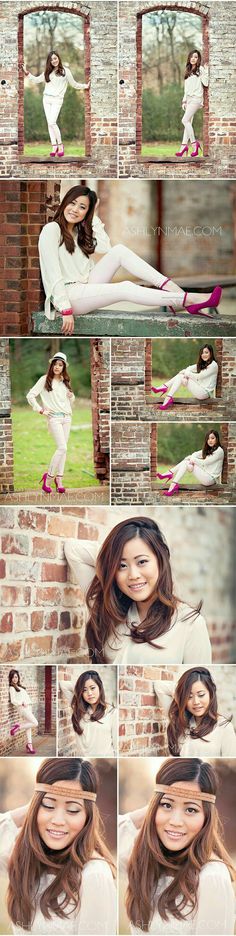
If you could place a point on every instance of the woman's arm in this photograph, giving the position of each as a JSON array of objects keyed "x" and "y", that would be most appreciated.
[
  {"x": 197, "y": 647},
  {"x": 8, "y": 834},
  {"x": 218, "y": 455},
  {"x": 215, "y": 913},
  {"x": 98, "y": 910},
  {"x": 36, "y": 79},
  {"x": 73, "y": 83},
  {"x": 81, "y": 557},
  {"x": 204, "y": 75},
  {"x": 67, "y": 690},
  {"x": 164, "y": 692},
  {"x": 34, "y": 392},
  {"x": 49, "y": 241},
  {"x": 103, "y": 241},
  {"x": 114, "y": 730},
  {"x": 228, "y": 743}
]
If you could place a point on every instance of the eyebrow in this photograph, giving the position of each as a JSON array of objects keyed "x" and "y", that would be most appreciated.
[
  {"x": 53, "y": 798},
  {"x": 185, "y": 803},
  {"x": 136, "y": 557}
]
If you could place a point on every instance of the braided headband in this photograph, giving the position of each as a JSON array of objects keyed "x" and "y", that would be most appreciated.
[
  {"x": 180, "y": 791},
  {"x": 65, "y": 791}
]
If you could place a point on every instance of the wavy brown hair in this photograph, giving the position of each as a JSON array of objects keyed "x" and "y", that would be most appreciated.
[
  {"x": 80, "y": 706},
  {"x": 150, "y": 860},
  {"x": 85, "y": 237},
  {"x": 207, "y": 449},
  {"x": 202, "y": 365},
  {"x": 179, "y": 715},
  {"x": 108, "y": 605},
  {"x": 49, "y": 68},
  {"x": 190, "y": 69},
  {"x": 31, "y": 858},
  {"x": 10, "y": 678},
  {"x": 50, "y": 375}
]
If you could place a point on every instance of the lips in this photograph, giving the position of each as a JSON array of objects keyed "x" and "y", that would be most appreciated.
[
  {"x": 55, "y": 834},
  {"x": 138, "y": 586},
  {"x": 175, "y": 835}
]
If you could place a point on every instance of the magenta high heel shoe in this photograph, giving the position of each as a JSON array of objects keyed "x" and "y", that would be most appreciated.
[
  {"x": 14, "y": 729},
  {"x": 175, "y": 490},
  {"x": 60, "y": 488},
  {"x": 197, "y": 147},
  {"x": 54, "y": 152},
  {"x": 165, "y": 477},
  {"x": 169, "y": 402},
  {"x": 212, "y": 302},
  {"x": 60, "y": 152},
  {"x": 181, "y": 152},
  {"x": 161, "y": 389},
  {"x": 29, "y": 748},
  {"x": 45, "y": 488}
]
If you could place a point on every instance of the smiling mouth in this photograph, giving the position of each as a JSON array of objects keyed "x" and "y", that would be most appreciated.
[
  {"x": 175, "y": 835},
  {"x": 56, "y": 834},
  {"x": 138, "y": 586}
]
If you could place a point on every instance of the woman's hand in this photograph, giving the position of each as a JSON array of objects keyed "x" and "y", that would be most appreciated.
[
  {"x": 184, "y": 104},
  {"x": 68, "y": 325},
  {"x": 25, "y": 69}
]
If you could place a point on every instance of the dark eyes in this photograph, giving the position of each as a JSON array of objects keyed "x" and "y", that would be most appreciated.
[{"x": 189, "y": 809}]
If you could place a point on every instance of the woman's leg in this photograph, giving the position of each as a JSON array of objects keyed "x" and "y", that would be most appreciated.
[
  {"x": 187, "y": 121},
  {"x": 52, "y": 110},
  {"x": 182, "y": 380},
  {"x": 66, "y": 425},
  {"x": 60, "y": 433},
  {"x": 199, "y": 473},
  {"x": 28, "y": 721}
]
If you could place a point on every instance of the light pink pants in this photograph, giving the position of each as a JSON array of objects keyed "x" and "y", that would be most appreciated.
[
  {"x": 196, "y": 469},
  {"x": 99, "y": 291},
  {"x": 186, "y": 380},
  {"x": 52, "y": 107},
  {"x": 59, "y": 427},
  {"x": 187, "y": 120},
  {"x": 27, "y": 720}
]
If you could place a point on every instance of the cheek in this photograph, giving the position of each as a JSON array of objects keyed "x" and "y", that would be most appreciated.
[
  {"x": 197, "y": 824},
  {"x": 77, "y": 823}
]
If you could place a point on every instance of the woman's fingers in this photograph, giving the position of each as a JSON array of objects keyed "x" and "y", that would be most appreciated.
[{"x": 68, "y": 325}]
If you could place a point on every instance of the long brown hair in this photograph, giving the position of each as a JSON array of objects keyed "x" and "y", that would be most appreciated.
[
  {"x": 150, "y": 860},
  {"x": 49, "y": 68},
  {"x": 80, "y": 706},
  {"x": 50, "y": 375},
  {"x": 31, "y": 858},
  {"x": 193, "y": 69},
  {"x": 85, "y": 237},
  {"x": 108, "y": 605},
  {"x": 202, "y": 365},
  {"x": 207, "y": 449},
  {"x": 179, "y": 715},
  {"x": 10, "y": 678}
]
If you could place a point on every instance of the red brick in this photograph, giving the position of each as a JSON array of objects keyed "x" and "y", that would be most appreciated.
[
  {"x": 38, "y": 646},
  {"x": 45, "y": 547},
  {"x": 61, "y": 526},
  {"x": 18, "y": 544},
  {"x": 31, "y": 520},
  {"x": 37, "y": 620},
  {"x": 2, "y": 569},
  {"x": 53, "y": 572},
  {"x": 45, "y": 596},
  {"x": 6, "y": 622},
  {"x": 15, "y": 595},
  {"x": 9, "y": 652},
  {"x": 51, "y": 620}
]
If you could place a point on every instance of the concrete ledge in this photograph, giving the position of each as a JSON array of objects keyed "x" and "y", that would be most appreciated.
[
  {"x": 185, "y": 401},
  {"x": 90, "y": 495},
  {"x": 153, "y": 323},
  {"x": 178, "y": 160},
  {"x": 53, "y": 160}
]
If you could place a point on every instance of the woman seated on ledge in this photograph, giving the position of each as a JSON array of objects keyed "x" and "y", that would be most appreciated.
[
  {"x": 200, "y": 379},
  {"x": 206, "y": 465}
]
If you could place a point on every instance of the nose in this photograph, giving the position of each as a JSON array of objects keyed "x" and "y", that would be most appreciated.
[
  {"x": 176, "y": 818},
  {"x": 134, "y": 573},
  {"x": 58, "y": 817}
]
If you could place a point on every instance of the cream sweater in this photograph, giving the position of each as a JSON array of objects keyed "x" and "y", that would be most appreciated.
[
  {"x": 97, "y": 913},
  {"x": 57, "y": 84},
  {"x": 19, "y": 698},
  {"x": 221, "y": 742},
  {"x": 193, "y": 85},
  {"x": 186, "y": 642},
  {"x": 212, "y": 464},
  {"x": 99, "y": 739},
  {"x": 59, "y": 267},
  {"x": 56, "y": 400},
  {"x": 215, "y": 906},
  {"x": 207, "y": 377}
]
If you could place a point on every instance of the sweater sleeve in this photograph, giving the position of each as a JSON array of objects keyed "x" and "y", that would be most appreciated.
[
  {"x": 197, "y": 647},
  {"x": 53, "y": 281},
  {"x": 215, "y": 457},
  {"x": 35, "y": 392},
  {"x": 8, "y": 834},
  {"x": 228, "y": 743},
  {"x": 67, "y": 689},
  {"x": 127, "y": 835},
  {"x": 204, "y": 75},
  {"x": 36, "y": 79},
  {"x": 72, "y": 82},
  {"x": 215, "y": 912},
  {"x": 98, "y": 908},
  {"x": 114, "y": 730},
  {"x": 103, "y": 241},
  {"x": 81, "y": 557},
  {"x": 164, "y": 693}
]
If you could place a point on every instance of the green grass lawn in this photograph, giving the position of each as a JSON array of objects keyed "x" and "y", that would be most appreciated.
[
  {"x": 163, "y": 149},
  {"x": 158, "y": 381},
  {"x": 188, "y": 478},
  {"x": 33, "y": 448},
  {"x": 72, "y": 148}
]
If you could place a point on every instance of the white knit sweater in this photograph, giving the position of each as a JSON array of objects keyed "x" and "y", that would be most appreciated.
[
  {"x": 206, "y": 377},
  {"x": 59, "y": 267},
  {"x": 57, "y": 84},
  {"x": 55, "y": 401},
  {"x": 193, "y": 85}
]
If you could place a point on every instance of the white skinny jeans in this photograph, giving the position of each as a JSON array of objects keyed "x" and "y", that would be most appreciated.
[
  {"x": 192, "y": 106},
  {"x": 52, "y": 107},
  {"x": 59, "y": 427},
  {"x": 99, "y": 291},
  {"x": 186, "y": 380},
  {"x": 27, "y": 720},
  {"x": 199, "y": 473}
]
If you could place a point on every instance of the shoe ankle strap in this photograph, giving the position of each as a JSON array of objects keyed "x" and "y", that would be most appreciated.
[
  {"x": 185, "y": 297},
  {"x": 165, "y": 281}
]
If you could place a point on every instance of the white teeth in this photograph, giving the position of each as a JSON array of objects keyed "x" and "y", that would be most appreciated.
[{"x": 175, "y": 834}]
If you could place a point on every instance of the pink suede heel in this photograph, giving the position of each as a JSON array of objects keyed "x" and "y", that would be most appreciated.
[
  {"x": 183, "y": 151},
  {"x": 197, "y": 148},
  {"x": 45, "y": 488},
  {"x": 60, "y": 152},
  {"x": 169, "y": 402},
  {"x": 29, "y": 748},
  {"x": 60, "y": 488},
  {"x": 175, "y": 490},
  {"x": 165, "y": 477},
  {"x": 161, "y": 389},
  {"x": 211, "y": 303},
  {"x": 54, "y": 152},
  {"x": 14, "y": 729}
]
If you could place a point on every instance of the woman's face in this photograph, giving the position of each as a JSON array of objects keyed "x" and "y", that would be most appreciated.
[
  {"x": 91, "y": 692},
  {"x": 211, "y": 441},
  {"x": 198, "y": 700},
  {"x": 194, "y": 59},
  {"x": 138, "y": 571},
  {"x": 54, "y": 60},
  {"x": 205, "y": 354},
  {"x": 179, "y": 819},
  {"x": 61, "y": 818},
  {"x": 15, "y": 679},
  {"x": 58, "y": 367},
  {"x": 77, "y": 209}
]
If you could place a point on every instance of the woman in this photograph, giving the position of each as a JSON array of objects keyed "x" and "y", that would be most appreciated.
[
  {"x": 206, "y": 465},
  {"x": 60, "y": 870},
  {"x": 55, "y": 391},
  {"x": 75, "y": 286},
  {"x": 195, "y": 726},
  {"x": 200, "y": 379},
  {"x": 21, "y": 700},
  {"x": 196, "y": 77},
  {"x": 94, "y": 720},
  {"x": 180, "y": 875},
  {"x": 134, "y": 615},
  {"x": 57, "y": 77}
]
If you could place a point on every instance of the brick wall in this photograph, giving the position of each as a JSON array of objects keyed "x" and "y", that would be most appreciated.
[
  {"x": 66, "y": 736},
  {"x": 33, "y": 679},
  {"x": 101, "y": 106},
  {"x": 43, "y": 612},
  {"x": 131, "y": 361},
  {"x": 142, "y": 724},
  {"x": 220, "y": 116},
  {"x": 6, "y": 447}
]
